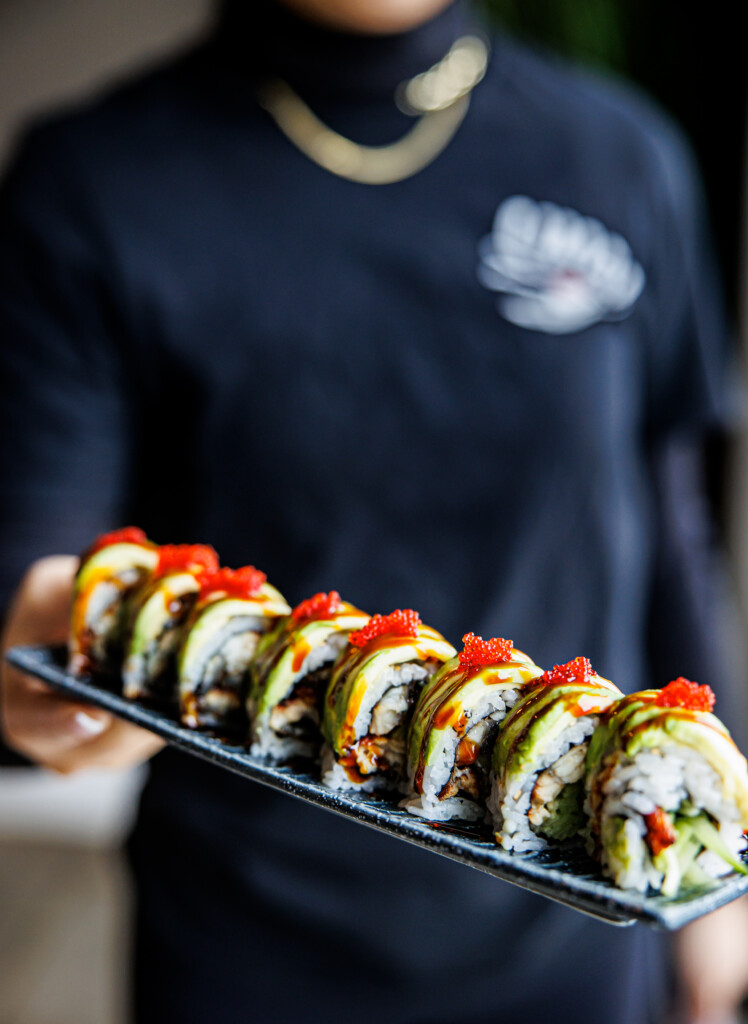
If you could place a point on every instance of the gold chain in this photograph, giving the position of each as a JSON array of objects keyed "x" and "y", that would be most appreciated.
[{"x": 440, "y": 96}]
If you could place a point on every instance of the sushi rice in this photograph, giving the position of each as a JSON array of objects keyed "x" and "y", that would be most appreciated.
[{"x": 666, "y": 792}]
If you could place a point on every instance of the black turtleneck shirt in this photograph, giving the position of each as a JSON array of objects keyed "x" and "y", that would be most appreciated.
[{"x": 389, "y": 390}]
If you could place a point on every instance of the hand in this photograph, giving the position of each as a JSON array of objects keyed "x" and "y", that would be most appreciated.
[
  {"x": 37, "y": 722},
  {"x": 712, "y": 958}
]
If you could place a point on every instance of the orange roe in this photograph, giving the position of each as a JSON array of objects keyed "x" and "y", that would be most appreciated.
[
  {"x": 660, "y": 831},
  {"x": 320, "y": 606},
  {"x": 242, "y": 583},
  {"x": 477, "y": 653},
  {"x": 195, "y": 558},
  {"x": 127, "y": 535},
  {"x": 682, "y": 693},
  {"x": 401, "y": 622},
  {"x": 578, "y": 670}
]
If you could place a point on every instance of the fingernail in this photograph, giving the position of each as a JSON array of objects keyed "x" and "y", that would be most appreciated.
[{"x": 90, "y": 725}]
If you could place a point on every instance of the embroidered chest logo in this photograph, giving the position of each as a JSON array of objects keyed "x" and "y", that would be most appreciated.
[{"x": 557, "y": 271}]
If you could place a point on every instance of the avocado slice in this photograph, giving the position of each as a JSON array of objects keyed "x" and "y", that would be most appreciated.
[
  {"x": 451, "y": 701},
  {"x": 113, "y": 560},
  {"x": 359, "y": 669},
  {"x": 281, "y": 678},
  {"x": 154, "y": 614}
]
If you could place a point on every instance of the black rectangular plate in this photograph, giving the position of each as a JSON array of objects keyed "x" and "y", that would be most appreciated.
[{"x": 564, "y": 874}]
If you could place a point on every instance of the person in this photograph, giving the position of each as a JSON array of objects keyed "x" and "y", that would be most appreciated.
[{"x": 455, "y": 354}]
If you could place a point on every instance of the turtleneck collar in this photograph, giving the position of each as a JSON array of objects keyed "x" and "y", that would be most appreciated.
[{"x": 267, "y": 39}]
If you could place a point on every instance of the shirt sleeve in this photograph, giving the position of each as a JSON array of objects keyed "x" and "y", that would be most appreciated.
[
  {"x": 694, "y": 392},
  {"x": 63, "y": 402},
  {"x": 692, "y": 379},
  {"x": 694, "y": 622}
]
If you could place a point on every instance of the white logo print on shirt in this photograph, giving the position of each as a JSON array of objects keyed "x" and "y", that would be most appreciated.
[{"x": 557, "y": 271}]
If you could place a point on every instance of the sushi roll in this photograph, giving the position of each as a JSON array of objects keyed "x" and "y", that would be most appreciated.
[
  {"x": 667, "y": 791},
  {"x": 537, "y": 767},
  {"x": 235, "y": 607},
  {"x": 290, "y": 675},
  {"x": 454, "y": 727},
  {"x": 372, "y": 689},
  {"x": 160, "y": 611},
  {"x": 111, "y": 571}
]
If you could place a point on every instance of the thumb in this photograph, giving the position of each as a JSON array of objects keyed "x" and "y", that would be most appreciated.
[{"x": 45, "y": 726}]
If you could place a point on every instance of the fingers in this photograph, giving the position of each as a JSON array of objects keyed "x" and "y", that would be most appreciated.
[
  {"x": 119, "y": 746},
  {"x": 42, "y": 725},
  {"x": 67, "y": 736},
  {"x": 40, "y": 611}
]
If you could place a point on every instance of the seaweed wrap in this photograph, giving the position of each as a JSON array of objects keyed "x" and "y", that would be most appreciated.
[
  {"x": 234, "y": 609},
  {"x": 537, "y": 767},
  {"x": 454, "y": 726},
  {"x": 372, "y": 690},
  {"x": 159, "y": 613},
  {"x": 667, "y": 791},
  {"x": 290, "y": 674},
  {"x": 111, "y": 571}
]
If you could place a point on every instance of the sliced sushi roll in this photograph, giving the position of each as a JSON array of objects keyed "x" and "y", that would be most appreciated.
[
  {"x": 455, "y": 724},
  {"x": 159, "y": 614},
  {"x": 290, "y": 674},
  {"x": 235, "y": 608},
  {"x": 667, "y": 791},
  {"x": 111, "y": 571},
  {"x": 537, "y": 767},
  {"x": 372, "y": 690}
]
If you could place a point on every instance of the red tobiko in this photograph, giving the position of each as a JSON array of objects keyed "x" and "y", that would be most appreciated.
[
  {"x": 401, "y": 622},
  {"x": 127, "y": 535},
  {"x": 682, "y": 693},
  {"x": 478, "y": 653},
  {"x": 198, "y": 559},
  {"x": 578, "y": 670},
  {"x": 242, "y": 583},
  {"x": 320, "y": 606}
]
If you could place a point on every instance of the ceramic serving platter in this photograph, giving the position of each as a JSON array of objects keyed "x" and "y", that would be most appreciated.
[{"x": 564, "y": 874}]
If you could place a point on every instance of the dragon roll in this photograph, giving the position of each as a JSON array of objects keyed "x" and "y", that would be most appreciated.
[
  {"x": 290, "y": 674},
  {"x": 537, "y": 767},
  {"x": 454, "y": 726},
  {"x": 371, "y": 692},
  {"x": 667, "y": 791},
  {"x": 111, "y": 571},
  {"x": 160, "y": 612},
  {"x": 234, "y": 609}
]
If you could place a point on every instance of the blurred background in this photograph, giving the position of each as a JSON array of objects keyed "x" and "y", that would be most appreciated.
[{"x": 63, "y": 891}]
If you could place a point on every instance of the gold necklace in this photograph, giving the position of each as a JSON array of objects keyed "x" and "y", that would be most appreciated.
[{"x": 439, "y": 97}]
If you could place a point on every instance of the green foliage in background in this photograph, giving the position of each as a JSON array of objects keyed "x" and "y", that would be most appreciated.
[{"x": 591, "y": 31}]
